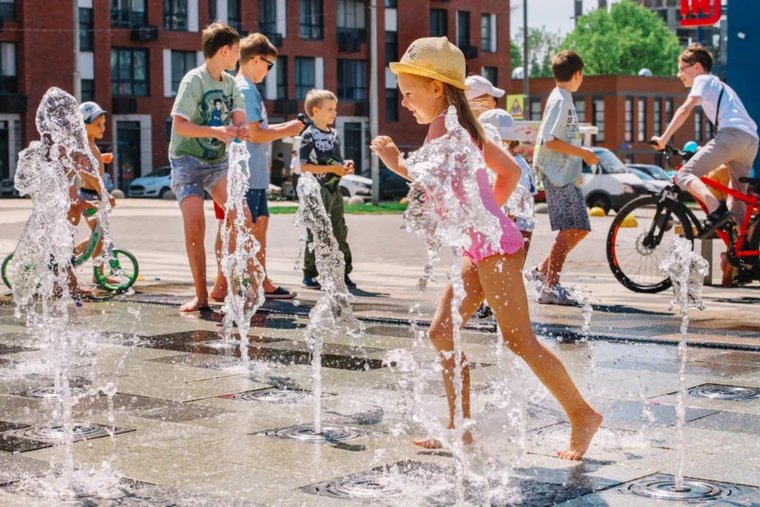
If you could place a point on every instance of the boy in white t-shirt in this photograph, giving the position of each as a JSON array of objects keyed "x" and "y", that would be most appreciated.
[{"x": 735, "y": 142}]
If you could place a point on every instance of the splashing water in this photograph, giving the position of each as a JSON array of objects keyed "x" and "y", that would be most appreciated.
[
  {"x": 41, "y": 269},
  {"x": 687, "y": 271},
  {"x": 244, "y": 273},
  {"x": 332, "y": 314},
  {"x": 446, "y": 209}
]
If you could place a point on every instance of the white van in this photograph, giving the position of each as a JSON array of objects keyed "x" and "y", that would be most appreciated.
[{"x": 609, "y": 184}]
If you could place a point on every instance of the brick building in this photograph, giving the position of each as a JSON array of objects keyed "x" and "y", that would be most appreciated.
[
  {"x": 628, "y": 110},
  {"x": 133, "y": 54}
]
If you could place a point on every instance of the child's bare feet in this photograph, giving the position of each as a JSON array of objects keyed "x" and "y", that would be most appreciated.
[
  {"x": 194, "y": 305},
  {"x": 219, "y": 291},
  {"x": 434, "y": 443},
  {"x": 582, "y": 432}
]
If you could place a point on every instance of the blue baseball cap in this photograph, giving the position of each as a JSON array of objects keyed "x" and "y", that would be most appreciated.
[{"x": 91, "y": 111}]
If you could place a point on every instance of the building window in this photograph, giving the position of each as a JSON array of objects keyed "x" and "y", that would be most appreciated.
[
  {"x": 352, "y": 18},
  {"x": 642, "y": 133},
  {"x": 598, "y": 112},
  {"x": 492, "y": 74},
  {"x": 128, "y": 13},
  {"x": 182, "y": 62},
  {"x": 8, "y": 10},
  {"x": 657, "y": 116},
  {"x": 86, "y": 34},
  {"x": 233, "y": 15},
  {"x": 391, "y": 4},
  {"x": 487, "y": 32},
  {"x": 391, "y": 104},
  {"x": 629, "y": 119},
  {"x": 439, "y": 23},
  {"x": 282, "y": 77},
  {"x": 463, "y": 28},
  {"x": 391, "y": 47},
  {"x": 129, "y": 72},
  {"x": 8, "y": 79},
  {"x": 668, "y": 110},
  {"x": 580, "y": 109},
  {"x": 175, "y": 15},
  {"x": 311, "y": 19},
  {"x": 88, "y": 89},
  {"x": 535, "y": 108},
  {"x": 698, "y": 124},
  {"x": 305, "y": 76},
  {"x": 352, "y": 80},
  {"x": 268, "y": 17}
]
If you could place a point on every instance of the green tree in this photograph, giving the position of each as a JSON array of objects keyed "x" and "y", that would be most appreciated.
[
  {"x": 624, "y": 40},
  {"x": 542, "y": 45}
]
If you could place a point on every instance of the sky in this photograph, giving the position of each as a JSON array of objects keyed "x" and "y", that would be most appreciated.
[{"x": 556, "y": 15}]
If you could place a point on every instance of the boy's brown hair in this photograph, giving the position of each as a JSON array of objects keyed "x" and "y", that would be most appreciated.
[
  {"x": 696, "y": 53},
  {"x": 256, "y": 44},
  {"x": 565, "y": 64},
  {"x": 217, "y": 35},
  {"x": 315, "y": 98}
]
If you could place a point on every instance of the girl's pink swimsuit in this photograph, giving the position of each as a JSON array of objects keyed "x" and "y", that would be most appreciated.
[{"x": 511, "y": 239}]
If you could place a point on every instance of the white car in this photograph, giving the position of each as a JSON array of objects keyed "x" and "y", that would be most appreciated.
[
  {"x": 609, "y": 184},
  {"x": 352, "y": 185},
  {"x": 154, "y": 184}
]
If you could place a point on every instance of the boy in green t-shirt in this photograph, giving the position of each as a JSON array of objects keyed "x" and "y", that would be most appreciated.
[{"x": 208, "y": 113}]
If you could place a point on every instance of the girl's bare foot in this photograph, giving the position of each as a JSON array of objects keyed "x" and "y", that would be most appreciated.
[
  {"x": 581, "y": 434},
  {"x": 433, "y": 443},
  {"x": 219, "y": 291},
  {"x": 194, "y": 305}
]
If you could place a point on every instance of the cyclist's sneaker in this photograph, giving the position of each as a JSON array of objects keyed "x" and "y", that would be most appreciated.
[
  {"x": 310, "y": 282},
  {"x": 534, "y": 276},
  {"x": 556, "y": 295},
  {"x": 280, "y": 293},
  {"x": 715, "y": 220}
]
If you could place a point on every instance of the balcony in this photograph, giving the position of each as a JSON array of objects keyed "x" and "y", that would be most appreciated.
[
  {"x": 349, "y": 41},
  {"x": 144, "y": 33},
  {"x": 470, "y": 52}
]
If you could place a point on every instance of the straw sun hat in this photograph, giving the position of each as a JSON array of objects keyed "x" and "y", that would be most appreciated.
[{"x": 436, "y": 58}]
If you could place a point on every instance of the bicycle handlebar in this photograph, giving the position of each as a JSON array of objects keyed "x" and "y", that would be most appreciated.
[{"x": 669, "y": 151}]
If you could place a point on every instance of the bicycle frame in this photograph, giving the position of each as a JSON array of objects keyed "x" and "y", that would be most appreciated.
[{"x": 95, "y": 237}]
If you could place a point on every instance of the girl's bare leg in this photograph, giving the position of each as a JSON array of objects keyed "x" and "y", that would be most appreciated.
[
  {"x": 502, "y": 285},
  {"x": 442, "y": 336}
]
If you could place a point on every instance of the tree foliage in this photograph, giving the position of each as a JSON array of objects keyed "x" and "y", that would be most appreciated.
[
  {"x": 624, "y": 40},
  {"x": 542, "y": 44}
]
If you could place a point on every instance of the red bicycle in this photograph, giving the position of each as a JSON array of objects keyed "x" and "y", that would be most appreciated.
[{"x": 641, "y": 235}]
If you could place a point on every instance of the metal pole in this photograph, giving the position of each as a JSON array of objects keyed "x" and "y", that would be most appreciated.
[
  {"x": 526, "y": 65},
  {"x": 77, "y": 76},
  {"x": 373, "y": 98}
]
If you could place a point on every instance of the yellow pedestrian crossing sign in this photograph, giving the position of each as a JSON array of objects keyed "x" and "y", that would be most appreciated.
[{"x": 515, "y": 106}]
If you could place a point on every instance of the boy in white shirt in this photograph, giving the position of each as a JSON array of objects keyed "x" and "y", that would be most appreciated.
[{"x": 735, "y": 142}]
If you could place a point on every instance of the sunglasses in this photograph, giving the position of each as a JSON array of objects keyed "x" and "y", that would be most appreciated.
[
  {"x": 681, "y": 69},
  {"x": 269, "y": 64}
]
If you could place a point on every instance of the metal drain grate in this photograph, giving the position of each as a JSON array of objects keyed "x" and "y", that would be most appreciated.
[
  {"x": 48, "y": 392},
  {"x": 725, "y": 392},
  {"x": 55, "y": 434},
  {"x": 330, "y": 434},
  {"x": 662, "y": 487},
  {"x": 280, "y": 396}
]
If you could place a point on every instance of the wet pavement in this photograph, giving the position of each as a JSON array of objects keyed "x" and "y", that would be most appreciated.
[{"x": 190, "y": 426}]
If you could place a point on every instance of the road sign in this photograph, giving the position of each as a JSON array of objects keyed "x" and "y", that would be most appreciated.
[
  {"x": 515, "y": 106},
  {"x": 700, "y": 12}
]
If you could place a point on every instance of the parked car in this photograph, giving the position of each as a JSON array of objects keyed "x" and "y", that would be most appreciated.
[
  {"x": 7, "y": 189},
  {"x": 653, "y": 185},
  {"x": 352, "y": 185},
  {"x": 655, "y": 171},
  {"x": 154, "y": 184},
  {"x": 609, "y": 185}
]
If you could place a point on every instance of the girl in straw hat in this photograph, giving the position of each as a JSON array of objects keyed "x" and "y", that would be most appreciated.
[{"x": 431, "y": 77}]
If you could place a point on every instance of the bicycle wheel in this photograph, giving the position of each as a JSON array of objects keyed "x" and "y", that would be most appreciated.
[
  {"x": 120, "y": 273},
  {"x": 639, "y": 240},
  {"x": 4, "y": 270}
]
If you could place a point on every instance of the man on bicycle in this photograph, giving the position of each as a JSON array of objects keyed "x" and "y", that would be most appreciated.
[{"x": 735, "y": 143}]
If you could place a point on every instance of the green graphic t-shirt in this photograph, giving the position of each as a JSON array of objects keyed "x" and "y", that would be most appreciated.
[{"x": 204, "y": 101}]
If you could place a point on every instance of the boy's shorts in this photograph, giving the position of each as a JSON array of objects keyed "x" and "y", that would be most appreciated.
[
  {"x": 191, "y": 176},
  {"x": 567, "y": 207},
  {"x": 257, "y": 203}
]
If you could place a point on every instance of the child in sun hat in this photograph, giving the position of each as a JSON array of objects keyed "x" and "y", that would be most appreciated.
[{"x": 431, "y": 77}]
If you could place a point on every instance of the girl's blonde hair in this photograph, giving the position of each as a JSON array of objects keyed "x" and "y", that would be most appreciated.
[{"x": 456, "y": 97}]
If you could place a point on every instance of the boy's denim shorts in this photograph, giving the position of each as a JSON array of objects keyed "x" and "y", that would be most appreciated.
[{"x": 191, "y": 176}]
